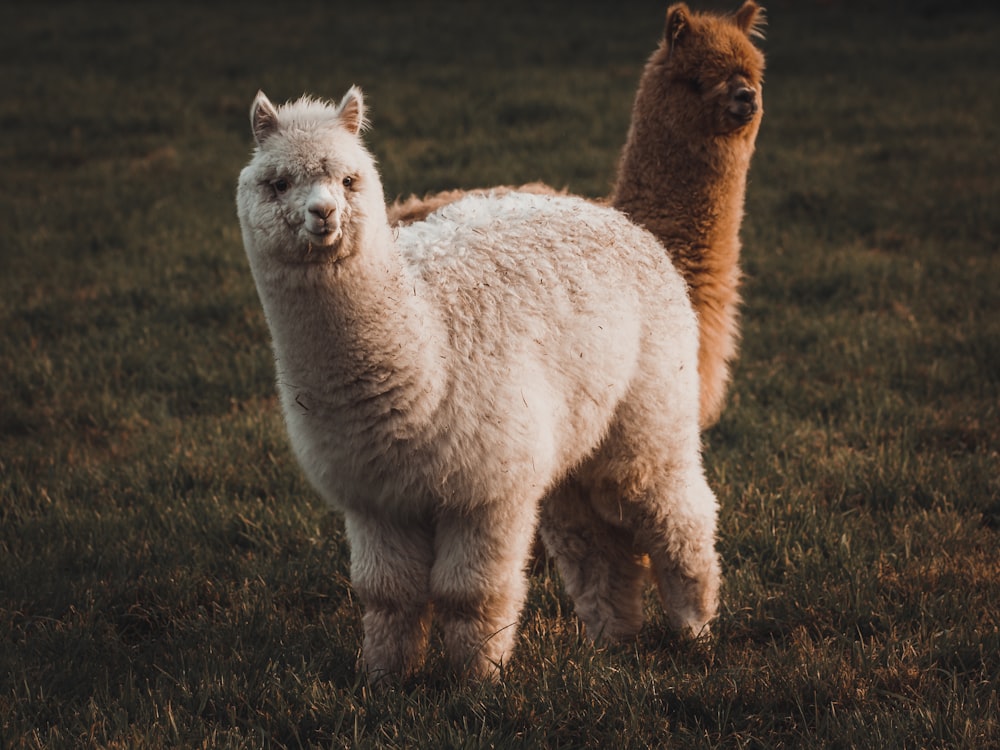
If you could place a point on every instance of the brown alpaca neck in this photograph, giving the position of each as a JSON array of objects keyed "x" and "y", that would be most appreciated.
[{"x": 690, "y": 196}]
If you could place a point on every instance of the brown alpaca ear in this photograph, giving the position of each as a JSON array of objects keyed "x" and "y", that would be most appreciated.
[
  {"x": 750, "y": 19},
  {"x": 678, "y": 21},
  {"x": 351, "y": 111},
  {"x": 263, "y": 118}
]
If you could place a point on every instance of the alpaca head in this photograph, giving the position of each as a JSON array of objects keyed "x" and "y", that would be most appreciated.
[
  {"x": 311, "y": 187},
  {"x": 708, "y": 71}
]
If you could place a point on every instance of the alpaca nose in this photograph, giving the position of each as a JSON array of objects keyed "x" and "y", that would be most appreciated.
[
  {"x": 745, "y": 94},
  {"x": 321, "y": 210},
  {"x": 744, "y": 103}
]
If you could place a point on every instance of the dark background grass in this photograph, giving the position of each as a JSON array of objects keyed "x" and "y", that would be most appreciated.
[{"x": 166, "y": 577}]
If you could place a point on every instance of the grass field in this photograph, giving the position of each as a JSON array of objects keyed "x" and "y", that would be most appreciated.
[{"x": 168, "y": 579}]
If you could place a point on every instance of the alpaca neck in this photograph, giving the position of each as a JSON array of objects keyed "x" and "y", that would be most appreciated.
[
  {"x": 690, "y": 194},
  {"x": 355, "y": 335}
]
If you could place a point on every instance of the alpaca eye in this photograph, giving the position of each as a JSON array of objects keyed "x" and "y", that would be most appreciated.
[
  {"x": 280, "y": 186},
  {"x": 348, "y": 182}
]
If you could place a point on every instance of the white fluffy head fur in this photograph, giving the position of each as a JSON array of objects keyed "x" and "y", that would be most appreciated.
[{"x": 309, "y": 175}]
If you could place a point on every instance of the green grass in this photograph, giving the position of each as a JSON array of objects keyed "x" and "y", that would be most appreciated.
[{"x": 168, "y": 579}]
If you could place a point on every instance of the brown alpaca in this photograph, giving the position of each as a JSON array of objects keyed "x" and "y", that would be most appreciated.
[
  {"x": 683, "y": 170},
  {"x": 682, "y": 173}
]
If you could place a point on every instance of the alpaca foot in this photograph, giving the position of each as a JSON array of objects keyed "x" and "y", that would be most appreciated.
[
  {"x": 395, "y": 641},
  {"x": 604, "y": 629},
  {"x": 613, "y": 612},
  {"x": 691, "y": 600},
  {"x": 690, "y": 624},
  {"x": 478, "y": 648}
]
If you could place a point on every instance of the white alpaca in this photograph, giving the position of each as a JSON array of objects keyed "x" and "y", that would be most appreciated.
[{"x": 442, "y": 383}]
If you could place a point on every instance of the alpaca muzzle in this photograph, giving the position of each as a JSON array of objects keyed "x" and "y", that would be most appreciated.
[
  {"x": 323, "y": 221},
  {"x": 743, "y": 104}
]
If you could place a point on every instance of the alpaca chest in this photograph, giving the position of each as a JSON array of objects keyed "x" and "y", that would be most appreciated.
[{"x": 381, "y": 463}]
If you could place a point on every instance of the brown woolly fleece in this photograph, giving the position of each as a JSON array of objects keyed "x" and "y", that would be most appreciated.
[{"x": 683, "y": 169}]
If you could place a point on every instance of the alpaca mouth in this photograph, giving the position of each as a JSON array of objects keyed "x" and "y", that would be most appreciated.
[
  {"x": 324, "y": 236},
  {"x": 743, "y": 114},
  {"x": 738, "y": 121}
]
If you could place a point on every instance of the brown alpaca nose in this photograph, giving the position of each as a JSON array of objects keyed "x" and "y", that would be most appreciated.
[{"x": 744, "y": 103}]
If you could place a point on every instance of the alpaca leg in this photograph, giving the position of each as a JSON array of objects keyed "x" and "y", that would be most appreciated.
[
  {"x": 600, "y": 566},
  {"x": 648, "y": 478},
  {"x": 390, "y": 571},
  {"x": 478, "y": 583},
  {"x": 677, "y": 529}
]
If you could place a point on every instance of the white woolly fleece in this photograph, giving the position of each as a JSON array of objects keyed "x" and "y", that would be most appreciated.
[{"x": 443, "y": 384}]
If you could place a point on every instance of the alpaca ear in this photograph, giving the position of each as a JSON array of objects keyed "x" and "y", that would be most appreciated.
[
  {"x": 351, "y": 111},
  {"x": 678, "y": 21},
  {"x": 263, "y": 118},
  {"x": 750, "y": 19}
]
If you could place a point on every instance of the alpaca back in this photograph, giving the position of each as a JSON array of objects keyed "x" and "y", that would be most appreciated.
[{"x": 549, "y": 304}]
